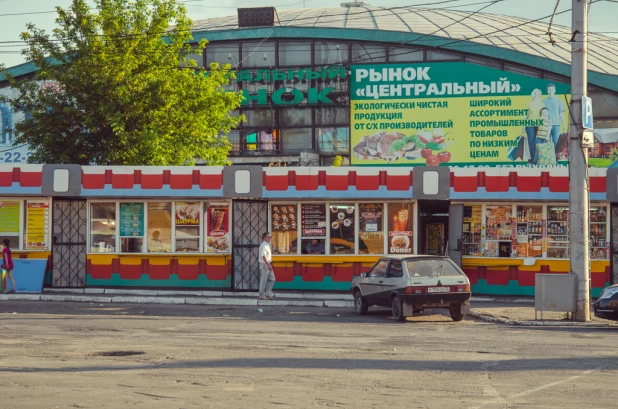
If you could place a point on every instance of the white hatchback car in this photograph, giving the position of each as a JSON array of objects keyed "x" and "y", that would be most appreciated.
[{"x": 410, "y": 284}]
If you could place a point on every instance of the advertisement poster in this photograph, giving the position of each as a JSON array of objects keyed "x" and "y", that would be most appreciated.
[
  {"x": 131, "y": 219},
  {"x": 284, "y": 218},
  {"x": 9, "y": 218},
  {"x": 456, "y": 114},
  {"x": 400, "y": 228},
  {"x": 313, "y": 220},
  {"x": 217, "y": 229},
  {"x": 435, "y": 238},
  {"x": 37, "y": 227},
  {"x": 187, "y": 214},
  {"x": 371, "y": 236},
  {"x": 342, "y": 233}
]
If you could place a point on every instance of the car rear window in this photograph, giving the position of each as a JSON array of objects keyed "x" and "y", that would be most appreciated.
[{"x": 428, "y": 268}]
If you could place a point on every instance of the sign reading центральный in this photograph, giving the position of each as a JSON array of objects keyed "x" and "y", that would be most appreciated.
[{"x": 457, "y": 114}]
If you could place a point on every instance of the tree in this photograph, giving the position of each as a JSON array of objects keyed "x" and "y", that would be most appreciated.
[
  {"x": 613, "y": 157},
  {"x": 127, "y": 89}
]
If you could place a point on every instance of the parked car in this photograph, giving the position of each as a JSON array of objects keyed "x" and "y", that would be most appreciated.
[
  {"x": 606, "y": 305},
  {"x": 410, "y": 284}
]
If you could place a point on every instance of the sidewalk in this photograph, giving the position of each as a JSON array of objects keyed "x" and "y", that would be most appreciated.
[{"x": 523, "y": 314}]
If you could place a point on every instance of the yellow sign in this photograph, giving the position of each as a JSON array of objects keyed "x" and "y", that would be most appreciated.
[{"x": 37, "y": 227}]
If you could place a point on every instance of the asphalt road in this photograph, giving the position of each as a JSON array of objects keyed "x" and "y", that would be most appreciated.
[{"x": 76, "y": 355}]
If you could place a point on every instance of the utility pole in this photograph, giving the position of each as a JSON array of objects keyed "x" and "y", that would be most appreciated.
[{"x": 579, "y": 192}]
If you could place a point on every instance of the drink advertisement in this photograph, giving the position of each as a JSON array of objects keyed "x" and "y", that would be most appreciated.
[
  {"x": 218, "y": 229},
  {"x": 37, "y": 228},
  {"x": 187, "y": 214},
  {"x": 399, "y": 228},
  {"x": 456, "y": 114},
  {"x": 370, "y": 234}
]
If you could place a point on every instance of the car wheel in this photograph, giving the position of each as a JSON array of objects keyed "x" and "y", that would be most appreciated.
[
  {"x": 456, "y": 314},
  {"x": 398, "y": 310},
  {"x": 360, "y": 306}
]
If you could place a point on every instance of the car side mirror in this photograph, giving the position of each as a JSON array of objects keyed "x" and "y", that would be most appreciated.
[{"x": 363, "y": 275}]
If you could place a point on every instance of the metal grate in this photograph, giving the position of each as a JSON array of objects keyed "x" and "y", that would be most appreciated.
[
  {"x": 250, "y": 220},
  {"x": 614, "y": 246},
  {"x": 69, "y": 243}
]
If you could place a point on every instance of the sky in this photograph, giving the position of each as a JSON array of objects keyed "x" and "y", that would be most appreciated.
[{"x": 602, "y": 16}]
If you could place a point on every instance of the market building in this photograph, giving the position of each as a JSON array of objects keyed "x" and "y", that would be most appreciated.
[{"x": 450, "y": 146}]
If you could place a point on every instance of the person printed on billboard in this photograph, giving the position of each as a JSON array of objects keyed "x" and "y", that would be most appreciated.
[
  {"x": 556, "y": 108},
  {"x": 7, "y": 124},
  {"x": 534, "y": 114},
  {"x": 543, "y": 132}
]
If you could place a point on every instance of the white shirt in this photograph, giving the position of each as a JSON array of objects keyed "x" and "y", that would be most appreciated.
[{"x": 265, "y": 252}]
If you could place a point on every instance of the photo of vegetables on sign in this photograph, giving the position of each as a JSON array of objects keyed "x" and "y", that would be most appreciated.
[{"x": 456, "y": 114}]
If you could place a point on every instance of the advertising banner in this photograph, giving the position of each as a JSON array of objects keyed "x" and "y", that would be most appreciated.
[
  {"x": 9, "y": 218},
  {"x": 456, "y": 114},
  {"x": 400, "y": 233},
  {"x": 218, "y": 229},
  {"x": 37, "y": 228},
  {"x": 187, "y": 214},
  {"x": 284, "y": 218}
]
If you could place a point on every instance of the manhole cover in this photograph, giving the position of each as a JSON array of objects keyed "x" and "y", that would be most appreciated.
[{"x": 117, "y": 353}]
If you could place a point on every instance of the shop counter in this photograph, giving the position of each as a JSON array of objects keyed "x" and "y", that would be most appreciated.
[{"x": 513, "y": 277}]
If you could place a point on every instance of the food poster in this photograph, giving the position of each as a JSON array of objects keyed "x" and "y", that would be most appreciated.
[
  {"x": 455, "y": 114},
  {"x": 187, "y": 214},
  {"x": 313, "y": 220},
  {"x": 9, "y": 218},
  {"x": 371, "y": 228},
  {"x": 37, "y": 226},
  {"x": 132, "y": 219},
  {"x": 435, "y": 238},
  {"x": 498, "y": 224},
  {"x": 218, "y": 229},
  {"x": 400, "y": 231},
  {"x": 342, "y": 233},
  {"x": 284, "y": 222}
]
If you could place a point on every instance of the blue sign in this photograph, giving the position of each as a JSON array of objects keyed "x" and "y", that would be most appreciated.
[{"x": 587, "y": 121}]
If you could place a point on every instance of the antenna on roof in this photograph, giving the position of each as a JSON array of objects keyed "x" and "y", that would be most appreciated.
[{"x": 351, "y": 4}]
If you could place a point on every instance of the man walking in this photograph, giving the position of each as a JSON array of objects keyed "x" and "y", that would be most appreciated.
[{"x": 267, "y": 275}]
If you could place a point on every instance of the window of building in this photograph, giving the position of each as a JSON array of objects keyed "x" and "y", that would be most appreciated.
[
  {"x": 608, "y": 149},
  {"x": 187, "y": 218},
  {"x": 284, "y": 228},
  {"x": 405, "y": 54},
  {"x": 363, "y": 53},
  {"x": 313, "y": 219},
  {"x": 25, "y": 223},
  {"x": 332, "y": 116},
  {"x": 442, "y": 56},
  {"x": 333, "y": 140},
  {"x": 265, "y": 140},
  {"x": 342, "y": 228},
  {"x": 132, "y": 227},
  {"x": 330, "y": 53},
  {"x": 296, "y": 140},
  {"x": 159, "y": 227},
  {"x": 499, "y": 231},
  {"x": 530, "y": 231},
  {"x": 295, "y": 53},
  {"x": 295, "y": 117},
  {"x": 371, "y": 228},
  {"x": 103, "y": 227},
  {"x": 258, "y": 54},
  {"x": 472, "y": 230},
  {"x": 223, "y": 54}
]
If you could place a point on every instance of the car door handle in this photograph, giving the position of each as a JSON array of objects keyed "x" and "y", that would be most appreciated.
[{"x": 380, "y": 281}]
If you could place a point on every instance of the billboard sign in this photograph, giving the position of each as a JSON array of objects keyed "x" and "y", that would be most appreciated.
[{"x": 456, "y": 114}]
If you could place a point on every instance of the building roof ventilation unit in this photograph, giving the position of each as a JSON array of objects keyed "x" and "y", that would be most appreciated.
[{"x": 351, "y": 4}]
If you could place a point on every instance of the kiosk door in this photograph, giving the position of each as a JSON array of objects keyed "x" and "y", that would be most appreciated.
[
  {"x": 250, "y": 221},
  {"x": 69, "y": 243}
]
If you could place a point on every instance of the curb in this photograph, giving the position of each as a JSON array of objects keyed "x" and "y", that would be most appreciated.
[
  {"x": 134, "y": 299},
  {"x": 502, "y": 320}
]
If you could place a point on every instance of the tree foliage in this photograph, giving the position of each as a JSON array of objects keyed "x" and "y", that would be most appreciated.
[{"x": 128, "y": 89}]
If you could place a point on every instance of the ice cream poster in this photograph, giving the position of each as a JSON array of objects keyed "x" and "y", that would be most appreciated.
[
  {"x": 217, "y": 229},
  {"x": 456, "y": 114}
]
